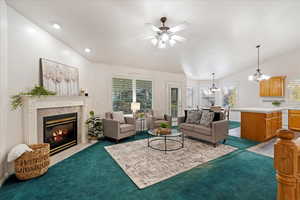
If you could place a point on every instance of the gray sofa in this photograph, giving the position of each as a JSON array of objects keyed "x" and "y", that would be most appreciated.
[
  {"x": 214, "y": 133},
  {"x": 116, "y": 130}
]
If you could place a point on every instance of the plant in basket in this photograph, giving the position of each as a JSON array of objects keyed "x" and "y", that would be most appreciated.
[{"x": 164, "y": 129}]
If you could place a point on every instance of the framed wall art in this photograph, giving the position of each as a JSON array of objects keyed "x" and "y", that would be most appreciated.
[{"x": 59, "y": 78}]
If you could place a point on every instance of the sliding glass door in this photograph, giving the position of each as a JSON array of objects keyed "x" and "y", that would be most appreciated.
[{"x": 174, "y": 100}]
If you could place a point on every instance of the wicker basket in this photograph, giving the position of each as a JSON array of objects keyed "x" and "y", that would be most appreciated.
[{"x": 33, "y": 164}]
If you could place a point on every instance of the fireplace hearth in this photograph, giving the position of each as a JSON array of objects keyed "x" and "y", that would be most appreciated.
[{"x": 60, "y": 131}]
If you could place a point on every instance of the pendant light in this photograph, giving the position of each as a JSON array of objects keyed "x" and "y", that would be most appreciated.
[
  {"x": 258, "y": 75},
  {"x": 213, "y": 87}
]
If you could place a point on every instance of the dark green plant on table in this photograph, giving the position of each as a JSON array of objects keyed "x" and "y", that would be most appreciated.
[
  {"x": 95, "y": 127},
  {"x": 276, "y": 103},
  {"x": 164, "y": 125},
  {"x": 141, "y": 115},
  {"x": 37, "y": 91}
]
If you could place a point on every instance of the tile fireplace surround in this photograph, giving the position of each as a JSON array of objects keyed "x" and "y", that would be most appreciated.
[{"x": 35, "y": 109}]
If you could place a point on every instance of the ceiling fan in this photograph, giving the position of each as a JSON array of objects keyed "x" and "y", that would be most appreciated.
[{"x": 165, "y": 36}]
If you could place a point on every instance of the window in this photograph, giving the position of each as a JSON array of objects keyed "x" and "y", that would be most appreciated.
[
  {"x": 122, "y": 94},
  {"x": 229, "y": 96},
  {"x": 294, "y": 90},
  {"x": 199, "y": 97},
  {"x": 144, "y": 94},
  {"x": 126, "y": 91},
  {"x": 207, "y": 98},
  {"x": 189, "y": 97}
]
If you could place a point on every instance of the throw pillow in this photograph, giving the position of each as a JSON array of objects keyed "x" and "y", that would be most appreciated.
[
  {"x": 17, "y": 151},
  {"x": 119, "y": 117},
  {"x": 193, "y": 117},
  {"x": 217, "y": 116},
  {"x": 207, "y": 118}
]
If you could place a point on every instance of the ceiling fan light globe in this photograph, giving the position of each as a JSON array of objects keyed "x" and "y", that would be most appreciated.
[
  {"x": 154, "y": 41},
  {"x": 165, "y": 37},
  {"x": 172, "y": 42},
  {"x": 162, "y": 44}
]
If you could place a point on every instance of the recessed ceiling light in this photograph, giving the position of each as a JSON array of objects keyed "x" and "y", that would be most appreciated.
[
  {"x": 56, "y": 26},
  {"x": 87, "y": 50}
]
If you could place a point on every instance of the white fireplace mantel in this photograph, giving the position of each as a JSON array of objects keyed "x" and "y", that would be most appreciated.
[{"x": 32, "y": 104}]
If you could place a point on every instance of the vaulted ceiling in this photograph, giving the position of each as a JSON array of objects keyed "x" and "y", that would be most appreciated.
[{"x": 221, "y": 36}]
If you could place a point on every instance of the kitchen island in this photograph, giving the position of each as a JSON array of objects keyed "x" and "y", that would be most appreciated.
[{"x": 260, "y": 124}]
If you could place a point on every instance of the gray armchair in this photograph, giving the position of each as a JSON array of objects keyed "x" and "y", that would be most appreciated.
[
  {"x": 156, "y": 121},
  {"x": 116, "y": 130}
]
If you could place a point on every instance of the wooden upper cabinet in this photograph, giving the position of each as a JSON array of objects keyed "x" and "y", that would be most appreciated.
[
  {"x": 274, "y": 87},
  {"x": 264, "y": 88}
]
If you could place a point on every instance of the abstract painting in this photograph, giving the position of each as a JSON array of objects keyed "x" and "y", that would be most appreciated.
[{"x": 59, "y": 78}]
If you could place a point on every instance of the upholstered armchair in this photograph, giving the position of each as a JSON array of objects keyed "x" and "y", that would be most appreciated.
[
  {"x": 116, "y": 129},
  {"x": 155, "y": 121}
]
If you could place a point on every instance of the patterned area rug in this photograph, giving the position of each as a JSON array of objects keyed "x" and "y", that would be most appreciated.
[{"x": 146, "y": 166}]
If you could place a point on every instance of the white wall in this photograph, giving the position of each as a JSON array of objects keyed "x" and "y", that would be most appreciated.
[
  {"x": 3, "y": 82},
  {"x": 248, "y": 92},
  {"x": 27, "y": 43},
  {"x": 102, "y": 81}
]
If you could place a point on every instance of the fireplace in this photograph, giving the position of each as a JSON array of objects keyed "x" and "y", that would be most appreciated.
[{"x": 60, "y": 131}]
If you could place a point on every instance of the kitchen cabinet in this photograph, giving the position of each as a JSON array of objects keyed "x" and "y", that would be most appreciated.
[
  {"x": 273, "y": 87},
  {"x": 294, "y": 120},
  {"x": 260, "y": 127}
]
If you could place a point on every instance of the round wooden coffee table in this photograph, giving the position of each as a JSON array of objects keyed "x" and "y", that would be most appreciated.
[{"x": 174, "y": 136}]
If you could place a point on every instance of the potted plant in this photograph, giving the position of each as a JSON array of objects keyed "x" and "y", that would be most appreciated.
[
  {"x": 276, "y": 103},
  {"x": 37, "y": 91},
  {"x": 164, "y": 128},
  {"x": 95, "y": 128},
  {"x": 141, "y": 115}
]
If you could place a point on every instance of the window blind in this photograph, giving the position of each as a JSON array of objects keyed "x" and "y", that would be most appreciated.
[
  {"x": 122, "y": 94},
  {"x": 144, "y": 94}
]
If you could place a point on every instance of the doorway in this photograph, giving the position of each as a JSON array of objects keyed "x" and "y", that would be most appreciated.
[{"x": 174, "y": 102}]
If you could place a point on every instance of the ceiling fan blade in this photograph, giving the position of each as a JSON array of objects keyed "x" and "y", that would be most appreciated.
[
  {"x": 154, "y": 28},
  {"x": 149, "y": 37},
  {"x": 178, "y": 28},
  {"x": 178, "y": 38}
]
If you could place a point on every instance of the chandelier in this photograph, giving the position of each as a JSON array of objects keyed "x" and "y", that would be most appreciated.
[
  {"x": 165, "y": 36},
  {"x": 213, "y": 87},
  {"x": 258, "y": 75}
]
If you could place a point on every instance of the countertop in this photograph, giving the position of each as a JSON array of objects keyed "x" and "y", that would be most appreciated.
[{"x": 265, "y": 110}]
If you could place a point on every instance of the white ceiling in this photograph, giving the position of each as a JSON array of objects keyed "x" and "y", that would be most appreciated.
[{"x": 221, "y": 36}]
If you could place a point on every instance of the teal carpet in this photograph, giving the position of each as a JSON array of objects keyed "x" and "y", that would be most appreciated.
[
  {"x": 92, "y": 174},
  {"x": 234, "y": 124}
]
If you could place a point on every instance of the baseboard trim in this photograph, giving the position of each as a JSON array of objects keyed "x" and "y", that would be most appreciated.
[{"x": 2, "y": 180}]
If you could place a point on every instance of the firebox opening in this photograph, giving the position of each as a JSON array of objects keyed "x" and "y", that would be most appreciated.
[{"x": 60, "y": 131}]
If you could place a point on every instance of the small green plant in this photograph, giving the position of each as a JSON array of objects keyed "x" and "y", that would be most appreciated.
[
  {"x": 141, "y": 115},
  {"x": 16, "y": 100},
  {"x": 94, "y": 124},
  {"x": 164, "y": 125},
  {"x": 276, "y": 103}
]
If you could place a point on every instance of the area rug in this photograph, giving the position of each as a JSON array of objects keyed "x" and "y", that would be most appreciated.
[{"x": 146, "y": 166}]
